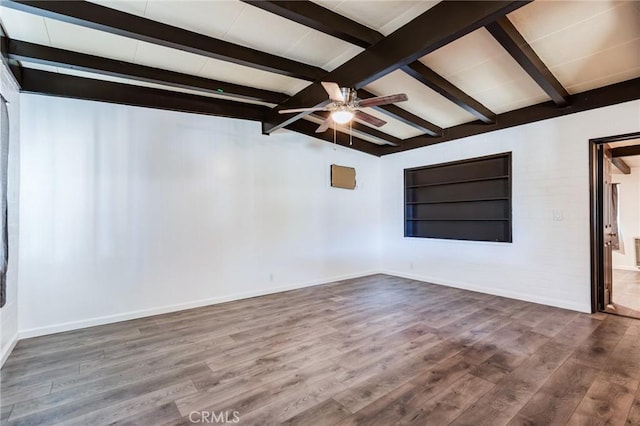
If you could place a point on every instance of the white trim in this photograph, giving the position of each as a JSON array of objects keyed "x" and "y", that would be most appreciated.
[
  {"x": 627, "y": 268},
  {"x": 7, "y": 352},
  {"x": 496, "y": 292},
  {"x": 91, "y": 322}
]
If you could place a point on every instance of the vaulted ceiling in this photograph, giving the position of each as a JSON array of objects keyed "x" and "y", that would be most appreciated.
[{"x": 467, "y": 67}]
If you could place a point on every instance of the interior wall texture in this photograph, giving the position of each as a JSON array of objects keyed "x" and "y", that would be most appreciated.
[
  {"x": 549, "y": 260},
  {"x": 629, "y": 214},
  {"x": 128, "y": 211},
  {"x": 9, "y": 312},
  {"x": 131, "y": 211}
]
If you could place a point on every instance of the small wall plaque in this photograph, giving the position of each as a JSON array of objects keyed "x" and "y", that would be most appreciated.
[{"x": 343, "y": 177}]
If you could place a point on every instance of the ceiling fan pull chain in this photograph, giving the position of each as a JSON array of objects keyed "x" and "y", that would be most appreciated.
[
  {"x": 350, "y": 134},
  {"x": 334, "y": 137}
]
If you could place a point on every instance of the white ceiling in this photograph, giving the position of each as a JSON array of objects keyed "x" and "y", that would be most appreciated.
[{"x": 586, "y": 44}]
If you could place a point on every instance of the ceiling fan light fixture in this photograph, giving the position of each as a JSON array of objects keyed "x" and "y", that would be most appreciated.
[{"x": 342, "y": 116}]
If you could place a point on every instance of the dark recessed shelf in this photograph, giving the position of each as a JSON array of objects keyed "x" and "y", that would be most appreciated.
[
  {"x": 468, "y": 200},
  {"x": 462, "y": 200},
  {"x": 456, "y": 182},
  {"x": 459, "y": 220}
]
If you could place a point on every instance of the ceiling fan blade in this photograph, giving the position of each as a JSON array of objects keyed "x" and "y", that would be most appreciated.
[
  {"x": 335, "y": 94},
  {"x": 383, "y": 100},
  {"x": 368, "y": 118},
  {"x": 287, "y": 111},
  {"x": 324, "y": 126}
]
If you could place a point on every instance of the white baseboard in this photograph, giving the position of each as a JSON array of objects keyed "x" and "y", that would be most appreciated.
[
  {"x": 125, "y": 316},
  {"x": 5, "y": 354},
  {"x": 627, "y": 268},
  {"x": 496, "y": 292},
  {"x": 91, "y": 322}
]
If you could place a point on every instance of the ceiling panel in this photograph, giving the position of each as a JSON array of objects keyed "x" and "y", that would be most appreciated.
[
  {"x": 265, "y": 31},
  {"x": 465, "y": 53},
  {"x": 322, "y": 50},
  {"x": 153, "y": 55},
  {"x": 239, "y": 74},
  {"x": 606, "y": 67},
  {"x": 24, "y": 26},
  {"x": 541, "y": 18},
  {"x": 211, "y": 18},
  {"x": 616, "y": 26},
  {"x": 512, "y": 95},
  {"x": 135, "y": 7},
  {"x": 479, "y": 66},
  {"x": 423, "y": 101},
  {"x": 586, "y": 44},
  {"x": 94, "y": 42},
  {"x": 384, "y": 16}
]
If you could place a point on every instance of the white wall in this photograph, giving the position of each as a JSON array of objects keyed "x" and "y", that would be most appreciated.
[
  {"x": 9, "y": 312},
  {"x": 629, "y": 225},
  {"x": 130, "y": 211},
  {"x": 548, "y": 261}
]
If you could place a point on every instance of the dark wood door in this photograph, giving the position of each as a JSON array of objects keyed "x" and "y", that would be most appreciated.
[{"x": 607, "y": 217}]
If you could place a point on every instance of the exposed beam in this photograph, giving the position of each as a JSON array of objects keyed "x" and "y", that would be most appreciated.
[
  {"x": 308, "y": 128},
  {"x": 513, "y": 42},
  {"x": 621, "y": 165},
  {"x": 53, "y": 84},
  {"x": 430, "y": 78},
  {"x": 625, "y": 151},
  {"x": 361, "y": 128},
  {"x": 443, "y": 23},
  {"x": 29, "y": 52},
  {"x": 102, "y": 18},
  {"x": 47, "y": 83},
  {"x": 597, "y": 98},
  {"x": 322, "y": 19},
  {"x": 403, "y": 116}
]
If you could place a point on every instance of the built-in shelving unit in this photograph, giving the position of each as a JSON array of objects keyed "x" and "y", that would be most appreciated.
[{"x": 462, "y": 200}]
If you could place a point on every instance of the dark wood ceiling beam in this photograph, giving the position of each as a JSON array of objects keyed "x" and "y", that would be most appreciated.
[
  {"x": 102, "y": 18},
  {"x": 513, "y": 42},
  {"x": 29, "y": 52},
  {"x": 47, "y": 83},
  {"x": 625, "y": 151},
  {"x": 597, "y": 98},
  {"x": 438, "y": 26},
  {"x": 430, "y": 78},
  {"x": 53, "y": 84},
  {"x": 621, "y": 165},
  {"x": 308, "y": 128},
  {"x": 314, "y": 16},
  {"x": 403, "y": 116},
  {"x": 322, "y": 19},
  {"x": 363, "y": 129}
]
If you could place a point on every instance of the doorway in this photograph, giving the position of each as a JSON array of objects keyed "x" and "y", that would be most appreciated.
[{"x": 615, "y": 224}]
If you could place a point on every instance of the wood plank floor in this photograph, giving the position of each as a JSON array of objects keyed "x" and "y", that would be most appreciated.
[
  {"x": 374, "y": 350},
  {"x": 626, "y": 293}
]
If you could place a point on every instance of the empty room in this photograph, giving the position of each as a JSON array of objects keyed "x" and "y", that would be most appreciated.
[{"x": 326, "y": 212}]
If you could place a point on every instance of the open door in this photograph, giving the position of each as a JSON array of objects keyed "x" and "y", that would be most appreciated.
[
  {"x": 607, "y": 223},
  {"x": 605, "y": 154}
]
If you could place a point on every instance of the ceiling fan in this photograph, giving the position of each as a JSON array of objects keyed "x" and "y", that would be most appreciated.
[{"x": 345, "y": 105}]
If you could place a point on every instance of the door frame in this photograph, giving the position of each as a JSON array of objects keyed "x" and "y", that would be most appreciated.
[{"x": 596, "y": 204}]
